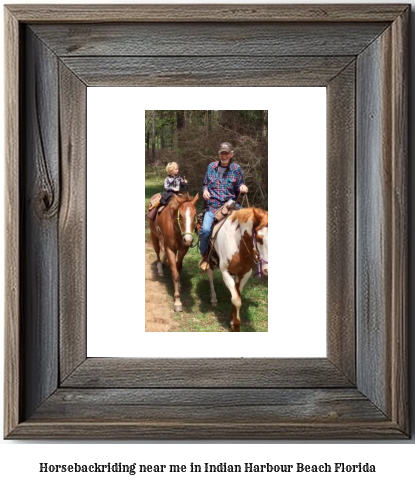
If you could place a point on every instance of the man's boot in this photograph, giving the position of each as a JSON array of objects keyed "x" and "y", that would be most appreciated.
[{"x": 204, "y": 264}]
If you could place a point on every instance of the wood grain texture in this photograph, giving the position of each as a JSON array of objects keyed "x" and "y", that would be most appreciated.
[
  {"x": 206, "y": 373},
  {"x": 39, "y": 213},
  {"x": 72, "y": 222},
  {"x": 373, "y": 222},
  {"x": 200, "y": 398},
  {"x": 150, "y": 430},
  {"x": 249, "y": 429},
  {"x": 341, "y": 238},
  {"x": 205, "y": 13},
  {"x": 209, "y": 405},
  {"x": 382, "y": 223},
  {"x": 233, "y": 39},
  {"x": 205, "y": 71},
  {"x": 400, "y": 233},
  {"x": 13, "y": 380}
]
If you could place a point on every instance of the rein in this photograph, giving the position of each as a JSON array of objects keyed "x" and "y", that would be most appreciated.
[
  {"x": 258, "y": 260},
  {"x": 245, "y": 197}
]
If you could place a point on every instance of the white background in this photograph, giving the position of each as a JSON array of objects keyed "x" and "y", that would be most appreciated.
[
  {"x": 19, "y": 461},
  {"x": 297, "y": 229}
]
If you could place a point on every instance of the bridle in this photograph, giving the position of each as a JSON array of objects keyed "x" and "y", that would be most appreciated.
[
  {"x": 193, "y": 234},
  {"x": 259, "y": 260},
  {"x": 256, "y": 258}
]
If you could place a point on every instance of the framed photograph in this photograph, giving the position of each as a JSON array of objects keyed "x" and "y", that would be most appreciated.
[
  {"x": 55, "y": 388},
  {"x": 210, "y": 199},
  {"x": 114, "y": 117}
]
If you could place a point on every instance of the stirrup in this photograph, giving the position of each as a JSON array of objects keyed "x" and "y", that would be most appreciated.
[{"x": 203, "y": 264}]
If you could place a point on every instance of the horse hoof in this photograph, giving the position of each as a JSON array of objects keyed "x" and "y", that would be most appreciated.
[
  {"x": 235, "y": 327},
  {"x": 178, "y": 308},
  {"x": 214, "y": 304},
  {"x": 160, "y": 274}
]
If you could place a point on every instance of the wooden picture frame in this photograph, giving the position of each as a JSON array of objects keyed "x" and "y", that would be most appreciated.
[{"x": 359, "y": 391}]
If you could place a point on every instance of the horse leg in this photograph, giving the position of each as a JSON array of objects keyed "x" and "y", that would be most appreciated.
[
  {"x": 156, "y": 245},
  {"x": 171, "y": 256},
  {"x": 236, "y": 301},
  {"x": 179, "y": 262},
  {"x": 180, "y": 255},
  {"x": 234, "y": 320},
  {"x": 240, "y": 283},
  {"x": 243, "y": 280},
  {"x": 213, "y": 299}
]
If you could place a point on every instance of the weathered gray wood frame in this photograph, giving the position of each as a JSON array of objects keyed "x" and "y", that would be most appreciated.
[{"x": 52, "y": 390}]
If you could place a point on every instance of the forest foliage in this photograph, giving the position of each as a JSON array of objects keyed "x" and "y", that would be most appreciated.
[{"x": 192, "y": 138}]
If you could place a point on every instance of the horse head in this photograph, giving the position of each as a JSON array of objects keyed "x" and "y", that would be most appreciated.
[
  {"x": 186, "y": 216},
  {"x": 261, "y": 237}
]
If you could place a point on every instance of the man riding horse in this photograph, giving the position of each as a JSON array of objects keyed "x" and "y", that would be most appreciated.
[{"x": 223, "y": 181}]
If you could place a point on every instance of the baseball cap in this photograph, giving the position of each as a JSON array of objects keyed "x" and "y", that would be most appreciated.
[{"x": 226, "y": 147}]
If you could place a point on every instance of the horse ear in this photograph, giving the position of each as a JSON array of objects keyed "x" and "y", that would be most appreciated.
[
  {"x": 196, "y": 198},
  {"x": 260, "y": 217},
  {"x": 257, "y": 215}
]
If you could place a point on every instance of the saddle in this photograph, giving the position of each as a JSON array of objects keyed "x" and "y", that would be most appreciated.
[
  {"x": 152, "y": 214},
  {"x": 221, "y": 213},
  {"x": 154, "y": 201},
  {"x": 220, "y": 216},
  {"x": 157, "y": 204},
  {"x": 225, "y": 210},
  {"x": 154, "y": 206}
]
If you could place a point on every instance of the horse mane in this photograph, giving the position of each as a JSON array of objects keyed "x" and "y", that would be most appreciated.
[
  {"x": 177, "y": 200},
  {"x": 258, "y": 216}
]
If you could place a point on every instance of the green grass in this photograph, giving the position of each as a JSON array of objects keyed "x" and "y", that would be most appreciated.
[{"x": 198, "y": 315}]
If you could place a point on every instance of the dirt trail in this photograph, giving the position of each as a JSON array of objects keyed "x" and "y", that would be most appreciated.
[{"x": 159, "y": 305}]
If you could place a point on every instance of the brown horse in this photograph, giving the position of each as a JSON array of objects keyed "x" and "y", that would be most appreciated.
[
  {"x": 173, "y": 230},
  {"x": 241, "y": 244}
]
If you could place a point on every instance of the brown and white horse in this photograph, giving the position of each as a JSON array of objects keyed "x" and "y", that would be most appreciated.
[
  {"x": 173, "y": 230},
  {"x": 241, "y": 243}
]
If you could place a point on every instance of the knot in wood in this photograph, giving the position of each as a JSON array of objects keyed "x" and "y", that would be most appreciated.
[{"x": 46, "y": 205}]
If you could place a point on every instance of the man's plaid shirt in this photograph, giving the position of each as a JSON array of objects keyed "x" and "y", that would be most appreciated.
[{"x": 222, "y": 189}]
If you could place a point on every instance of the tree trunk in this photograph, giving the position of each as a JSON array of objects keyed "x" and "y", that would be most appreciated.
[
  {"x": 181, "y": 119},
  {"x": 162, "y": 141},
  {"x": 172, "y": 138},
  {"x": 153, "y": 149},
  {"x": 265, "y": 124}
]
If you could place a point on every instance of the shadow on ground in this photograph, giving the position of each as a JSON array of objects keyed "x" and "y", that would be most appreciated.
[
  {"x": 185, "y": 279},
  {"x": 224, "y": 307}
]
